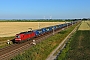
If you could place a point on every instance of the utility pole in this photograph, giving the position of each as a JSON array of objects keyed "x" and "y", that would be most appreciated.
[
  {"x": 38, "y": 25},
  {"x": 67, "y": 25},
  {"x": 72, "y": 22},
  {"x": 53, "y": 30}
]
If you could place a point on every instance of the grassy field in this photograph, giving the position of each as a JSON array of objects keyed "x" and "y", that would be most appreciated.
[
  {"x": 79, "y": 47},
  {"x": 85, "y": 25},
  {"x": 8, "y": 29},
  {"x": 43, "y": 49}
]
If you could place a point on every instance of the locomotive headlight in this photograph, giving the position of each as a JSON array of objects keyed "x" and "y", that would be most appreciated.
[{"x": 17, "y": 39}]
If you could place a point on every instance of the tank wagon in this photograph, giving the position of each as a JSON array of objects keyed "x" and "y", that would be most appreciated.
[{"x": 24, "y": 36}]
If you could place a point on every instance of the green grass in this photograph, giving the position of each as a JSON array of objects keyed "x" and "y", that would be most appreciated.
[
  {"x": 65, "y": 50},
  {"x": 43, "y": 49},
  {"x": 6, "y": 38},
  {"x": 3, "y": 41},
  {"x": 79, "y": 48}
]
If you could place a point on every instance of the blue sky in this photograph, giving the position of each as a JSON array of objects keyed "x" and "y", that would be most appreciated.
[{"x": 38, "y": 9}]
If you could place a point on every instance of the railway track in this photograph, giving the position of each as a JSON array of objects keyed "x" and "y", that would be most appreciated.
[{"x": 9, "y": 52}]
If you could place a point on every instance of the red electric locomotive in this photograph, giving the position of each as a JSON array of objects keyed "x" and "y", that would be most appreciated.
[{"x": 23, "y": 36}]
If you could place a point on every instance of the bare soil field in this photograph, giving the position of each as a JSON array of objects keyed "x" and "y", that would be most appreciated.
[
  {"x": 85, "y": 25},
  {"x": 8, "y": 29}
]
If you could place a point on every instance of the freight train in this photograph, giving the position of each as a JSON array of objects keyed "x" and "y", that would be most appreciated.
[{"x": 24, "y": 36}]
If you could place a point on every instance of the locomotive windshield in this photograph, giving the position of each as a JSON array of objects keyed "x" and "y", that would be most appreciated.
[{"x": 17, "y": 36}]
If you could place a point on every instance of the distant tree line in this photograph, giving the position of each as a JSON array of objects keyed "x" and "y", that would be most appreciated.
[
  {"x": 39, "y": 20},
  {"x": 85, "y": 19}
]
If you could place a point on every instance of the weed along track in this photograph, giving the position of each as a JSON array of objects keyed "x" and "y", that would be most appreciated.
[{"x": 11, "y": 51}]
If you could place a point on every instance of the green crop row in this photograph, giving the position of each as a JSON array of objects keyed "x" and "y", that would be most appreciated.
[
  {"x": 44, "y": 48},
  {"x": 79, "y": 47}
]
